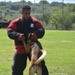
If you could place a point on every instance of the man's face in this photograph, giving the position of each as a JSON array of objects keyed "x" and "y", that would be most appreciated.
[{"x": 26, "y": 14}]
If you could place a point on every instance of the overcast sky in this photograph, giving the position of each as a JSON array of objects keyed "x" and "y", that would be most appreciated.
[{"x": 36, "y": 1}]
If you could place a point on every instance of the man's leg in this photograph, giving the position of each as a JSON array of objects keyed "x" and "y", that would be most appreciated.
[
  {"x": 44, "y": 69},
  {"x": 19, "y": 64}
]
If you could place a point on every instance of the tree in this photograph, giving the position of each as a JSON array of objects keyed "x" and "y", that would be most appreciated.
[
  {"x": 71, "y": 7},
  {"x": 44, "y": 1},
  {"x": 46, "y": 18},
  {"x": 56, "y": 20}
]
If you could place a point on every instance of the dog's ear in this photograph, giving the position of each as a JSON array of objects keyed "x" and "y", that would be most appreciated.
[{"x": 29, "y": 36}]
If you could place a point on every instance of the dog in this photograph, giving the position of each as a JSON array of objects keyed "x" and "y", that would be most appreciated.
[{"x": 37, "y": 55}]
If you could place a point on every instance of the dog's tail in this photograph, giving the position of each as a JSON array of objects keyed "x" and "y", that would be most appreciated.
[{"x": 41, "y": 57}]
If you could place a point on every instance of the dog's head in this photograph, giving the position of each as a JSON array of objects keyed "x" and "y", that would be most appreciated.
[{"x": 31, "y": 39}]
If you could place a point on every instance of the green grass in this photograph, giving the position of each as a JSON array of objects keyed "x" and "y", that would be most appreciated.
[{"x": 60, "y": 47}]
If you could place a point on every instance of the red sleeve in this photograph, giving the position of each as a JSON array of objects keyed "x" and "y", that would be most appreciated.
[
  {"x": 38, "y": 23},
  {"x": 11, "y": 29},
  {"x": 12, "y": 26},
  {"x": 39, "y": 29}
]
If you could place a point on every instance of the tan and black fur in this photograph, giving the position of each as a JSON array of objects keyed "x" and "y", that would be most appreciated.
[{"x": 35, "y": 54}]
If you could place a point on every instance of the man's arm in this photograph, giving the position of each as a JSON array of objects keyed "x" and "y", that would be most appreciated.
[
  {"x": 11, "y": 31},
  {"x": 39, "y": 30}
]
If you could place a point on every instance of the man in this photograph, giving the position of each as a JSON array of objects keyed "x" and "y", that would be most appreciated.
[{"x": 19, "y": 30}]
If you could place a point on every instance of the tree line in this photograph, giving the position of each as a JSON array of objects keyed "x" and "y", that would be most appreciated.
[{"x": 55, "y": 15}]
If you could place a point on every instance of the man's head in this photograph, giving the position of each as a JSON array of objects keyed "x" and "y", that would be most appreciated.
[{"x": 26, "y": 10}]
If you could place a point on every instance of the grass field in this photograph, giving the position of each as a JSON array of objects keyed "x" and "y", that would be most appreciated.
[{"x": 60, "y": 47}]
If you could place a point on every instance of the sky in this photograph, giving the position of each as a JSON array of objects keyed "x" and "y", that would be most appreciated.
[{"x": 36, "y": 1}]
